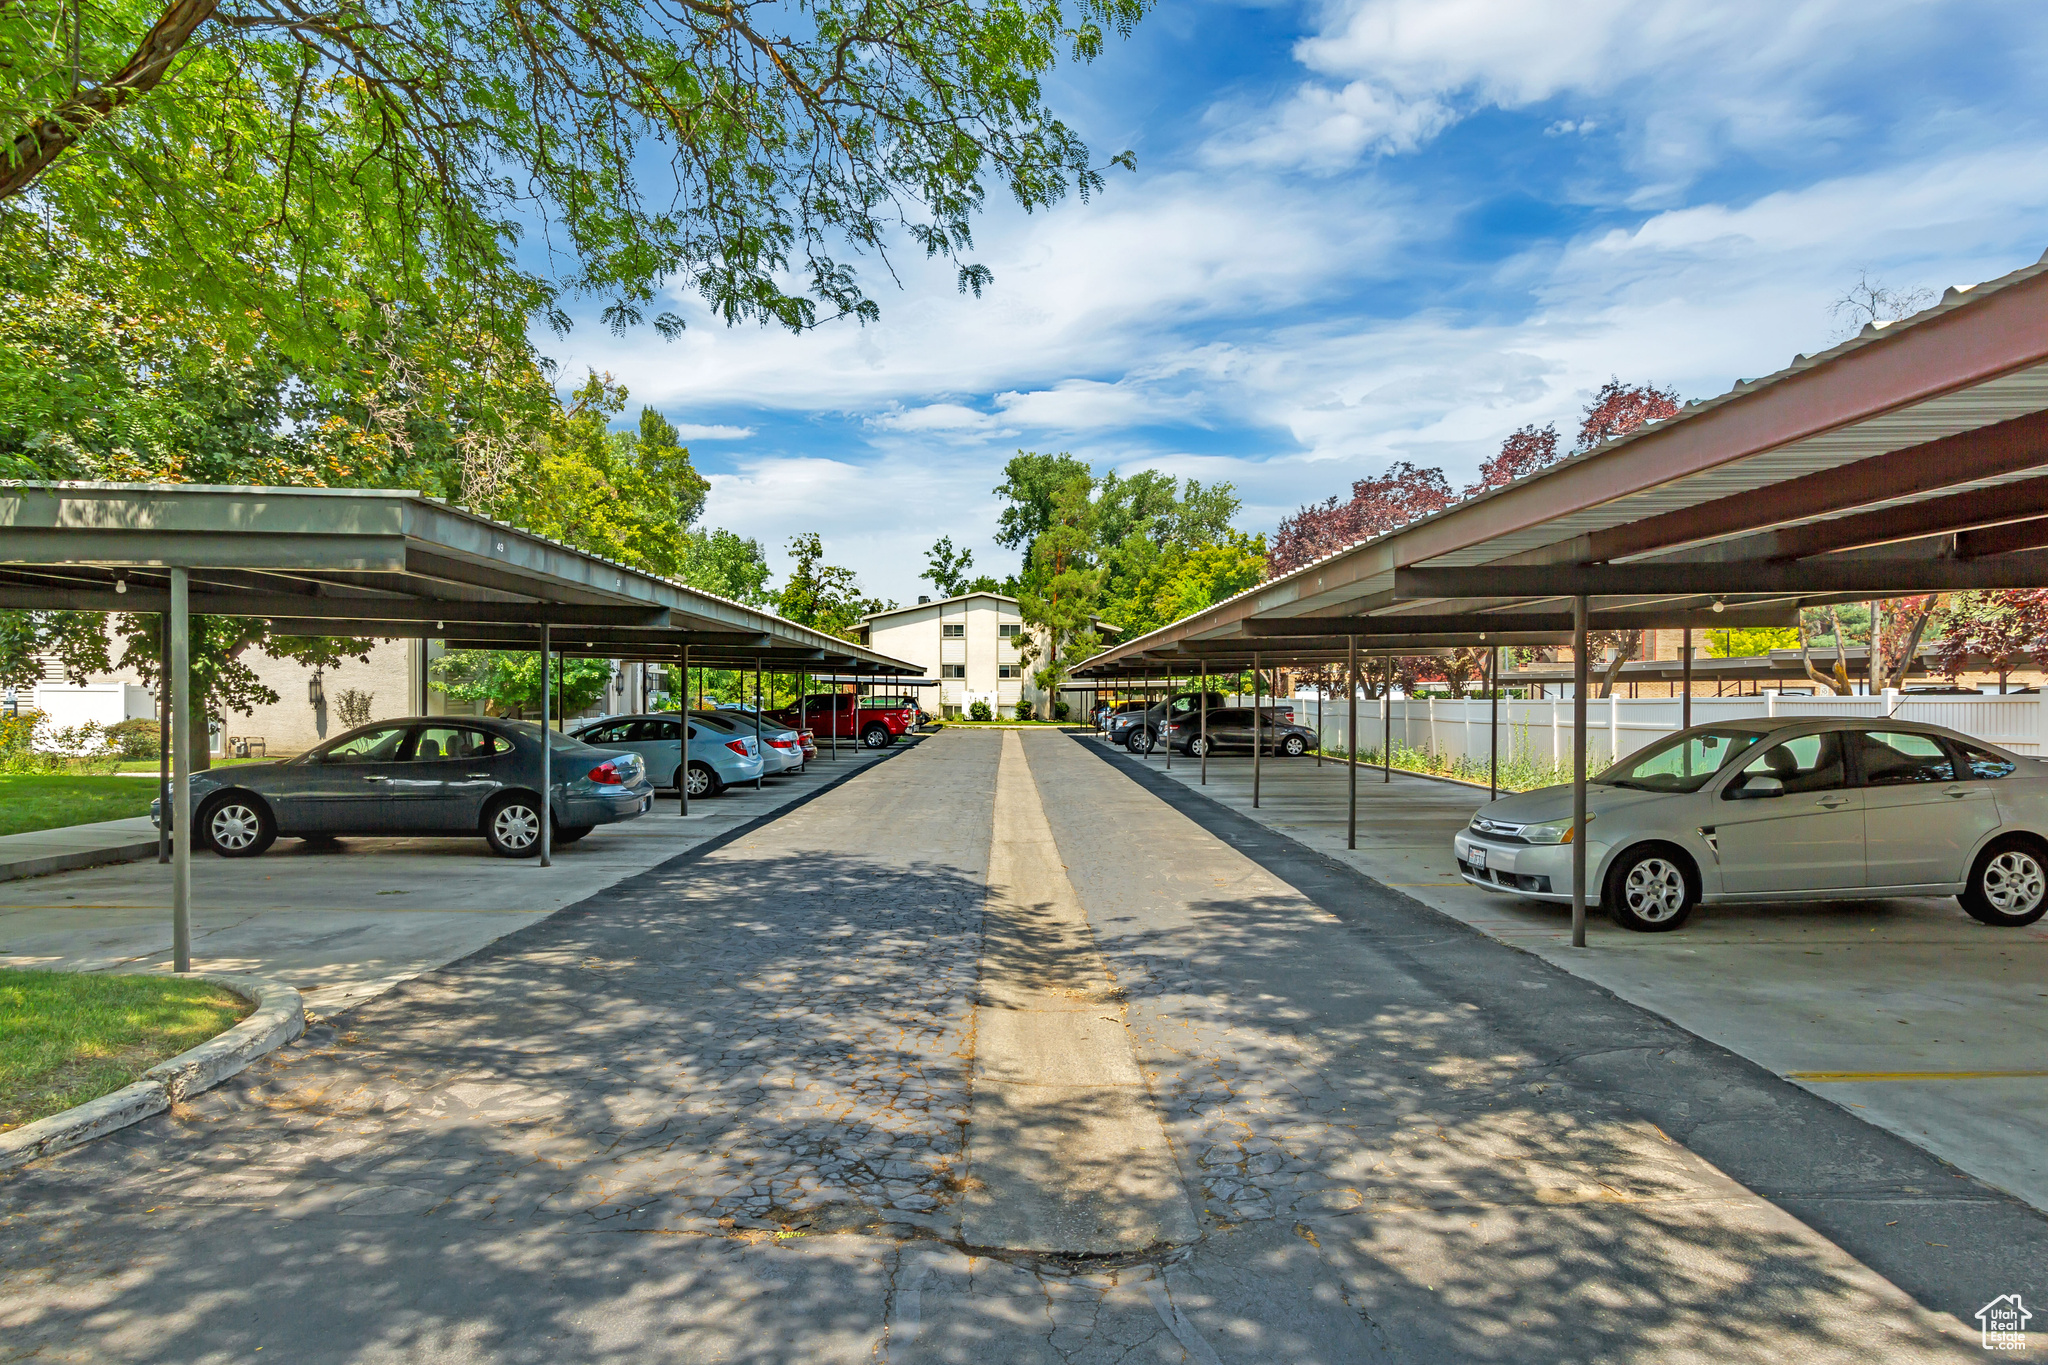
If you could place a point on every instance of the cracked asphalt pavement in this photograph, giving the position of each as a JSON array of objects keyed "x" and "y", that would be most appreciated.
[{"x": 722, "y": 1111}]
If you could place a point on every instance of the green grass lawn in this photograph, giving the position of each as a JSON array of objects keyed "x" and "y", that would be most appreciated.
[
  {"x": 52, "y": 802},
  {"x": 68, "y": 1037}
]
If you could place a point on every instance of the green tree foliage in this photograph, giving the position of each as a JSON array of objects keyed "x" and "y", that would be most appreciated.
[
  {"x": 298, "y": 168},
  {"x": 629, "y": 496},
  {"x": 509, "y": 682},
  {"x": 820, "y": 595},
  {"x": 946, "y": 568},
  {"x": 723, "y": 562}
]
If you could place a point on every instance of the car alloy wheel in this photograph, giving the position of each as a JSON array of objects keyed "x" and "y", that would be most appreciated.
[
  {"x": 701, "y": 780},
  {"x": 2009, "y": 886},
  {"x": 516, "y": 828},
  {"x": 234, "y": 827},
  {"x": 1650, "y": 890},
  {"x": 1197, "y": 747},
  {"x": 237, "y": 828},
  {"x": 1654, "y": 890},
  {"x": 875, "y": 737},
  {"x": 1294, "y": 747}
]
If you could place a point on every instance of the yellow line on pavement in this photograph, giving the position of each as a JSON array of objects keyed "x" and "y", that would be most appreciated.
[{"x": 1829, "y": 1076}]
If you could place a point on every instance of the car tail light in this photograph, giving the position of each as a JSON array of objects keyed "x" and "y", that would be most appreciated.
[
  {"x": 737, "y": 746},
  {"x": 779, "y": 743},
  {"x": 607, "y": 773}
]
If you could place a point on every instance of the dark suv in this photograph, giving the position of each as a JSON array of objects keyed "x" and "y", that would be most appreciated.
[{"x": 1230, "y": 732}]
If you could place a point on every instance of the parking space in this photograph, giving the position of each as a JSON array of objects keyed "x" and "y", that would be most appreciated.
[
  {"x": 1906, "y": 1011},
  {"x": 348, "y": 921}
]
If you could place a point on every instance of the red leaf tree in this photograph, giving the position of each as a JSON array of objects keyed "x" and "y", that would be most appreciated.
[
  {"x": 1403, "y": 494},
  {"x": 2008, "y": 630},
  {"x": 1618, "y": 408},
  {"x": 1526, "y": 450}
]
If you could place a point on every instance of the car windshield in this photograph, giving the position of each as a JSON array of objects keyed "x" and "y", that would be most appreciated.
[
  {"x": 1682, "y": 763},
  {"x": 713, "y": 722}
]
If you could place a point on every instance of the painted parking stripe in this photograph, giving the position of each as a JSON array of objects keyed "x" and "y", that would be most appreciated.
[{"x": 1824, "y": 1077}]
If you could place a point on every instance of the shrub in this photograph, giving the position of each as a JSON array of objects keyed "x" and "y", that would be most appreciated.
[
  {"x": 980, "y": 711},
  {"x": 138, "y": 738},
  {"x": 353, "y": 706},
  {"x": 1023, "y": 710},
  {"x": 1060, "y": 710}
]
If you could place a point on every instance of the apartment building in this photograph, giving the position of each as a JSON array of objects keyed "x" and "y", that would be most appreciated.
[{"x": 968, "y": 643}]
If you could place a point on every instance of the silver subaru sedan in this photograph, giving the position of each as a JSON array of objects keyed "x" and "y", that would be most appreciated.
[{"x": 1813, "y": 808}]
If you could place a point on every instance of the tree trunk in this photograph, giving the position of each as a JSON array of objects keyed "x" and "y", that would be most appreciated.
[{"x": 1911, "y": 651}]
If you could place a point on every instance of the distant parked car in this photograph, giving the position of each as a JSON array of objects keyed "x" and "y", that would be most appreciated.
[
  {"x": 719, "y": 756},
  {"x": 781, "y": 747},
  {"x": 1230, "y": 732},
  {"x": 426, "y": 775},
  {"x": 837, "y": 714},
  {"x": 1812, "y": 808}
]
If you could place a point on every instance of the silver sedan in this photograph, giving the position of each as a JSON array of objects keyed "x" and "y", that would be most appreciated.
[{"x": 1780, "y": 810}]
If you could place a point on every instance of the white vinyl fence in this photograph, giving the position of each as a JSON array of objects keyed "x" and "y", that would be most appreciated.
[{"x": 1540, "y": 732}]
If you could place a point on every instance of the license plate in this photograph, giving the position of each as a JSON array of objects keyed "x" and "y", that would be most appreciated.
[{"x": 1477, "y": 857}]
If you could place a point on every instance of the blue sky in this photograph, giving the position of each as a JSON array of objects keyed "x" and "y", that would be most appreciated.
[{"x": 1371, "y": 230}]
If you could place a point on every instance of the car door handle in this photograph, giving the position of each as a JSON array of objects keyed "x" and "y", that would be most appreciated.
[
  {"x": 1832, "y": 801},
  {"x": 372, "y": 777},
  {"x": 1957, "y": 792}
]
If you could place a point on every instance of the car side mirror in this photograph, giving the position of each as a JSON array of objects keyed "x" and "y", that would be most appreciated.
[{"x": 1757, "y": 787}]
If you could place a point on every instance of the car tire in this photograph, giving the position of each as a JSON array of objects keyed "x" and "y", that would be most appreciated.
[
  {"x": 875, "y": 737},
  {"x": 569, "y": 834},
  {"x": 1197, "y": 747},
  {"x": 512, "y": 826},
  {"x": 704, "y": 781},
  {"x": 1294, "y": 746},
  {"x": 2008, "y": 886},
  {"x": 236, "y": 825},
  {"x": 1140, "y": 741},
  {"x": 1651, "y": 889}
]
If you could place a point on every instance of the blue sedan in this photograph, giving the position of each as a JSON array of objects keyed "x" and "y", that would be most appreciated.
[
  {"x": 720, "y": 754},
  {"x": 425, "y": 775}
]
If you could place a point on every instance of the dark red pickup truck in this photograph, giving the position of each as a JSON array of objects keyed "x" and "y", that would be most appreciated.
[{"x": 841, "y": 715}]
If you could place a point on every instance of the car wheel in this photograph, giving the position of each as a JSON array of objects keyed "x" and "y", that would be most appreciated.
[
  {"x": 1140, "y": 741},
  {"x": 875, "y": 737},
  {"x": 1651, "y": 889},
  {"x": 704, "y": 781},
  {"x": 569, "y": 834},
  {"x": 1197, "y": 747},
  {"x": 512, "y": 827},
  {"x": 2009, "y": 885},
  {"x": 1294, "y": 746},
  {"x": 237, "y": 826}
]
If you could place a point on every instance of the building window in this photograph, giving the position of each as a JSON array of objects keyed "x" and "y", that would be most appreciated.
[
  {"x": 1009, "y": 671},
  {"x": 952, "y": 670},
  {"x": 1008, "y": 632},
  {"x": 952, "y": 632}
]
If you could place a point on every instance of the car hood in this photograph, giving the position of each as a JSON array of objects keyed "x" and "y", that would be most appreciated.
[{"x": 1555, "y": 803}]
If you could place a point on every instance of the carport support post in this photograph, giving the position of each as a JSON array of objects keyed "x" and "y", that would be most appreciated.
[
  {"x": 547, "y": 757},
  {"x": 1205, "y": 721},
  {"x": 1579, "y": 771},
  {"x": 1685, "y": 707},
  {"x": 163, "y": 736},
  {"x": 683, "y": 710},
  {"x": 1166, "y": 724},
  {"x": 179, "y": 809},
  {"x": 758, "y": 745},
  {"x": 1351, "y": 740},
  {"x": 1387, "y": 719},
  {"x": 1258, "y": 726},
  {"x": 1493, "y": 731}
]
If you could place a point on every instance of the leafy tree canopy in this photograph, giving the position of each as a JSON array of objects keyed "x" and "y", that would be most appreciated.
[
  {"x": 823, "y": 596},
  {"x": 296, "y": 169}
]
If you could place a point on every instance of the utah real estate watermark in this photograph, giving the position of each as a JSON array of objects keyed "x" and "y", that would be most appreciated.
[{"x": 2003, "y": 1322}]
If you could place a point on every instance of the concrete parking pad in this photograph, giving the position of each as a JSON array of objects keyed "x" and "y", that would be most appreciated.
[
  {"x": 1923, "y": 1020},
  {"x": 346, "y": 922}
]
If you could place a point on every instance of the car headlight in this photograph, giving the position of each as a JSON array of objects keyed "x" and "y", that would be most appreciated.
[{"x": 1551, "y": 831}]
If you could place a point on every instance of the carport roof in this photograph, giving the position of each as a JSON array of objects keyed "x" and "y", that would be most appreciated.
[
  {"x": 1910, "y": 458},
  {"x": 376, "y": 562}
]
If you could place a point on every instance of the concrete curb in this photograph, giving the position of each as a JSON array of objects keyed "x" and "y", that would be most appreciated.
[
  {"x": 279, "y": 1017},
  {"x": 76, "y": 858}
]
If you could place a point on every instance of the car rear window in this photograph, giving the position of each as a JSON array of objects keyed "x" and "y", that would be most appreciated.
[{"x": 1980, "y": 764}]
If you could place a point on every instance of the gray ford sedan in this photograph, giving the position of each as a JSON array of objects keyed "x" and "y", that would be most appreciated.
[
  {"x": 422, "y": 775},
  {"x": 1777, "y": 810}
]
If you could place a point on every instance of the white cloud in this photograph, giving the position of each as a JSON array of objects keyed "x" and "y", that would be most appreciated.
[
  {"x": 690, "y": 431},
  {"x": 932, "y": 417}
]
